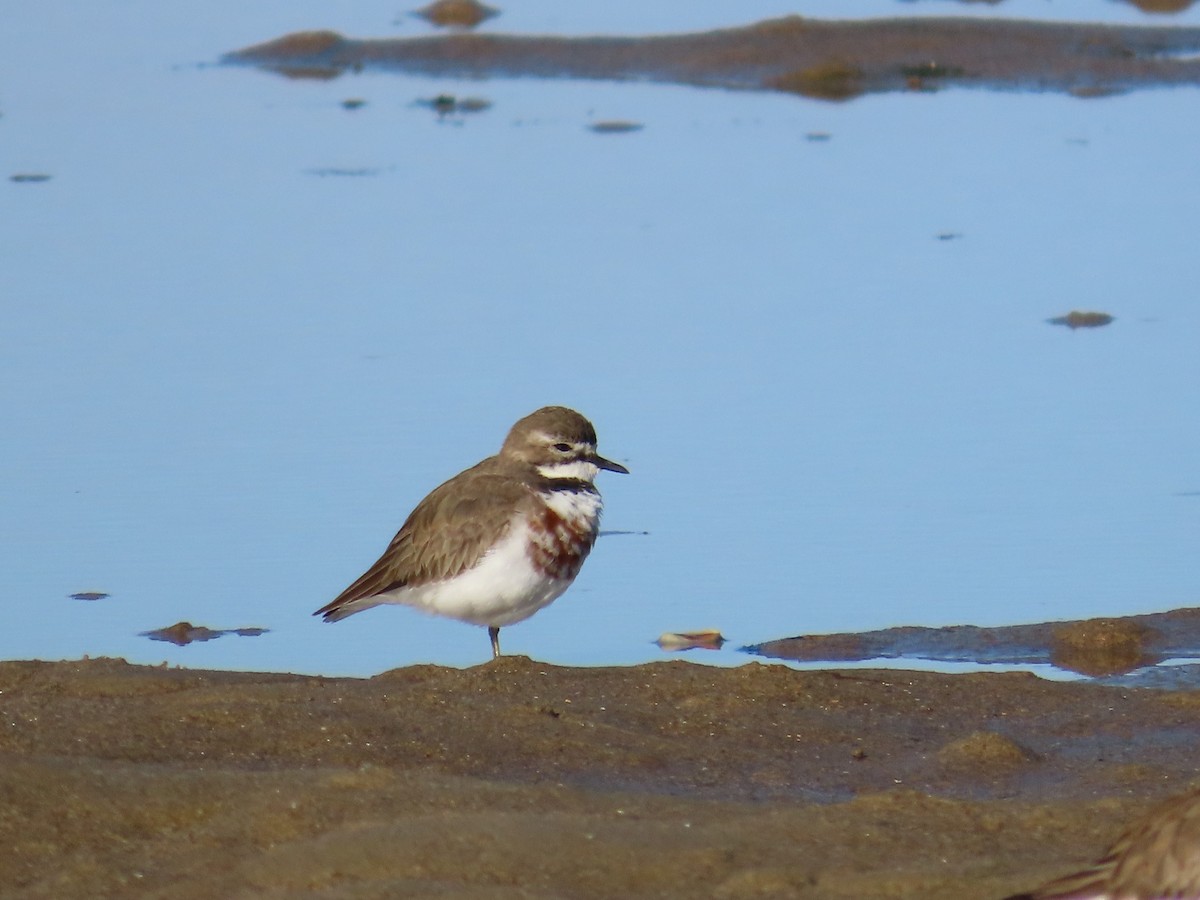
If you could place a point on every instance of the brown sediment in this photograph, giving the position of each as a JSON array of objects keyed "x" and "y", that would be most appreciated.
[
  {"x": 520, "y": 779},
  {"x": 833, "y": 80},
  {"x": 1102, "y": 646},
  {"x": 834, "y": 60},
  {"x": 1162, "y": 6},
  {"x": 457, "y": 13},
  {"x": 985, "y": 751}
]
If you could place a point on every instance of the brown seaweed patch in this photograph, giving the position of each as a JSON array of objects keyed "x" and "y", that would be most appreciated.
[
  {"x": 456, "y": 13},
  {"x": 824, "y": 81},
  {"x": 1077, "y": 319},
  {"x": 182, "y": 633},
  {"x": 1099, "y": 647}
]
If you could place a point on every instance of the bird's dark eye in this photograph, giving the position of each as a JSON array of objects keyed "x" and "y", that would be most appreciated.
[{"x": 562, "y": 448}]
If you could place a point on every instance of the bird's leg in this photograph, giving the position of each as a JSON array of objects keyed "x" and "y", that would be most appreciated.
[{"x": 494, "y": 634}]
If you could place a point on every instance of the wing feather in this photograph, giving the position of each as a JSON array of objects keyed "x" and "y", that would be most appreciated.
[{"x": 445, "y": 535}]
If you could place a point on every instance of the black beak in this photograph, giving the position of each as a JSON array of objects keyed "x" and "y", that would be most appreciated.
[{"x": 608, "y": 464}]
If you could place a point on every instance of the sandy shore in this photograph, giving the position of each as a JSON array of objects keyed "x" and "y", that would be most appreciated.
[{"x": 518, "y": 779}]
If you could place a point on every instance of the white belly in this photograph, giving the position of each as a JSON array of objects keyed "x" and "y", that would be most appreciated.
[{"x": 505, "y": 586}]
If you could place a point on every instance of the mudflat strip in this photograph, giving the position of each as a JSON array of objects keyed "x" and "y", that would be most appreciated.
[
  {"x": 517, "y": 778},
  {"x": 834, "y": 60}
]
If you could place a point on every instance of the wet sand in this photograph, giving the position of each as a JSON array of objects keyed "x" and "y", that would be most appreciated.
[{"x": 519, "y": 779}]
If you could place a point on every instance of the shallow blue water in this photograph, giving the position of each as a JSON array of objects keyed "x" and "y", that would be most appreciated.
[{"x": 226, "y": 379}]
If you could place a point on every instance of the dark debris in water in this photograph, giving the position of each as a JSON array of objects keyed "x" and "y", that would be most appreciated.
[
  {"x": 90, "y": 595},
  {"x": 1094, "y": 647},
  {"x": 30, "y": 177},
  {"x": 615, "y": 126},
  {"x": 336, "y": 172},
  {"x": 182, "y": 633},
  {"x": 675, "y": 641},
  {"x": 449, "y": 105},
  {"x": 1077, "y": 319}
]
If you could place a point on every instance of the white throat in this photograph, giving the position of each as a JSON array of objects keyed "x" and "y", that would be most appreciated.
[{"x": 579, "y": 469}]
